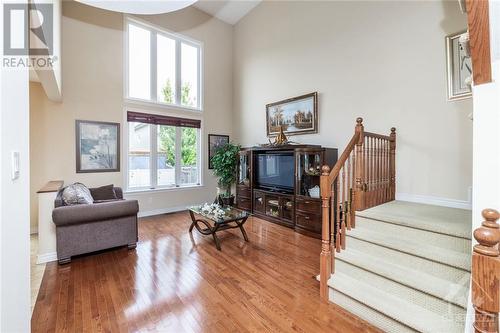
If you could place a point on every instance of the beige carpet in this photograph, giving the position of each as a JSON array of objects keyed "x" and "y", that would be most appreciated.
[
  {"x": 406, "y": 268},
  {"x": 450, "y": 221}
]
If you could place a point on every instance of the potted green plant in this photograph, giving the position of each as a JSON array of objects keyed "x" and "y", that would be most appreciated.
[{"x": 225, "y": 163}]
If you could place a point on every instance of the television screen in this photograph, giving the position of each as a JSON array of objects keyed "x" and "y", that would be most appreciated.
[{"x": 275, "y": 171}]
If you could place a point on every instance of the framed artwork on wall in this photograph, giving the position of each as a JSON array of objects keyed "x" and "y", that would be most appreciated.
[
  {"x": 297, "y": 115},
  {"x": 97, "y": 146},
  {"x": 215, "y": 141},
  {"x": 459, "y": 69}
]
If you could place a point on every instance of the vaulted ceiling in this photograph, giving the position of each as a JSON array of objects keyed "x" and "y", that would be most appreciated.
[{"x": 229, "y": 11}]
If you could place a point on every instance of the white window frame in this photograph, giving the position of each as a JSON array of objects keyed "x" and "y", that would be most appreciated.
[
  {"x": 155, "y": 30},
  {"x": 153, "y": 132}
]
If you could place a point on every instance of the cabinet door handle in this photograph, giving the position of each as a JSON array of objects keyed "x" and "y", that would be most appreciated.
[
  {"x": 307, "y": 202},
  {"x": 306, "y": 217}
]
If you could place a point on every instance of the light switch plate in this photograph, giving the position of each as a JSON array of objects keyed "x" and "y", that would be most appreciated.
[{"x": 15, "y": 165}]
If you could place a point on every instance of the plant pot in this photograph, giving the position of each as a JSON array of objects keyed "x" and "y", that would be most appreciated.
[{"x": 227, "y": 201}]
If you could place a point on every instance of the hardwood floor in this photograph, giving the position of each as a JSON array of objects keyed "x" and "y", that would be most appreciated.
[{"x": 175, "y": 283}]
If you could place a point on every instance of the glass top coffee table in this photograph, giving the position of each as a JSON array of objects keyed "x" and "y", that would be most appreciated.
[{"x": 217, "y": 219}]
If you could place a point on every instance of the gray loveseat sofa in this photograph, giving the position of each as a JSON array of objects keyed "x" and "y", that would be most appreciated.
[{"x": 88, "y": 228}]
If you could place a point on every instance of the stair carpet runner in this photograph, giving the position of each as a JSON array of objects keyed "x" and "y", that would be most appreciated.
[{"x": 406, "y": 268}]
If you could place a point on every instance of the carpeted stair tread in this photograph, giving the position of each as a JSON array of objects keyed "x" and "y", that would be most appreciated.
[
  {"x": 450, "y": 221},
  {"x": 405, "y": 274},
  {"x": 416, "y": 234},
  {"x": 423, "y": 250},
  {"x": 416, "y": 297},
  {"x": 372, "y": 316},
  {"x": 394, "y": 307},
  {"x": 430, "y": 267}
]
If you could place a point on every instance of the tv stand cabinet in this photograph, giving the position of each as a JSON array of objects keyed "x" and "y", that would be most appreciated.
[{"x": 297, "y": 210}]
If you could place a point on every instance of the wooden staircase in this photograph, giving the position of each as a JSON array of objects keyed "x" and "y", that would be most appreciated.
[
  {"x": 364, "y": 176},
  {"x": 401, "y": 274}
]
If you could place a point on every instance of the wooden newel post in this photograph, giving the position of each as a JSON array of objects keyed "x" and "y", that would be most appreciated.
[
  {"x": 326, "y": 253},
  {"x": 486, "y": 274},
  {"x": 359, "y": 168},
  {"x": 392, "y": 165}
]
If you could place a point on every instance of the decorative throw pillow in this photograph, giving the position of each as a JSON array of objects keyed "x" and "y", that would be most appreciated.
[
  {"x": 76, "y": 194},
  {"x": 104, "y": 193}
]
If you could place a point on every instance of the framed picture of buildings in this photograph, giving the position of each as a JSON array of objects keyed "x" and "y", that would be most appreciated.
[
  {"x": 97, "y": 146},
  {"x": 214, "y": 142},
  {"x": 297, "y": 115},
  {"x": 459, "y": 69}
]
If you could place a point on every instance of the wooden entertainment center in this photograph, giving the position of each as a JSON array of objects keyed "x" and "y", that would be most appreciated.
[{"x": 274, "y": 184}]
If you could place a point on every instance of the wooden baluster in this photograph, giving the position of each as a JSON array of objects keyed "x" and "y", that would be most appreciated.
[
  {"x": 337, "y": 220},
  {"x": 326, "y": 253},
  {"x": 353, "y": 189},
  {"x": 333, "y": 222},
  {"x": 393, "y": 163},
  {"x": 343, "y": 218},
  {"x": 486, "y": 274},
  {"x": 377, "y": 170},
  {"x": 370, "y": 183},
  {"x": 372, "y": 169},
  {"x": 388, "y": 171},
  {"x": 386, "y": 168},
  {"x": 380, "y": 172},
  {"x": 368, "y": 171},
  {"x": 359, "y": 175},
  {"x": 333, "y": 215},
  {"x": 348, "y": 189}
]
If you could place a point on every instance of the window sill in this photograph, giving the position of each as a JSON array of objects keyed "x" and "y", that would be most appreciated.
[
  {"x": 145, "y": 102},
  {"x": 162, "y": 189}
]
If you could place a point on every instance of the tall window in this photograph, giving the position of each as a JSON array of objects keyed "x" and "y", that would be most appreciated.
[
  {"x": 163, "y": 151},
  {"x": 162, "y": 67}
]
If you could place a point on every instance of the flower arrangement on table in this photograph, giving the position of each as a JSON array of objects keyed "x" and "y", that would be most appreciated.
[{"x": 213, "y": 209}]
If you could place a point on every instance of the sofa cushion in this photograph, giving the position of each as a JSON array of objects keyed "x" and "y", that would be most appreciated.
[
  {"x": 76, "y": 194},
  {"x": 94, "y": 213},
  {"x": 102, "y": 201},
  {"x": 106, "y": 192}
]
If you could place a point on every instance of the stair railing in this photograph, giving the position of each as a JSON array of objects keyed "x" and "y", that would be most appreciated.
[
  {"x": 486, "y": 274},
  {"x": 364, "y": 176}
]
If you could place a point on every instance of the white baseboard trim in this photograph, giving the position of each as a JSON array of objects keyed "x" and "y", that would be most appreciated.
[
  {"x": 163, "y": 211},
  {"x": 436, "y": 201},
  {"x": 46, "y": 257}
]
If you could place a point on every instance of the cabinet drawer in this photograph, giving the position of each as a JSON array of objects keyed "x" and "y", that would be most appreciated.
[
  {"x": 243, "y": 191},
  {"x": 310, "y": 222},
  {"x": 243, "y": 203},
  {"x": 308, "y": 205}
]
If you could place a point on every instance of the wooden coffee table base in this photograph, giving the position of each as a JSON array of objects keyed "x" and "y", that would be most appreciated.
[{"x": 205, "y": 228}]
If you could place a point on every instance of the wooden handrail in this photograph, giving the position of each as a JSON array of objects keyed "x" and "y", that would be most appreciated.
[
  {"x": 364, "y": 176},
  {"x": 378, "y": 136},
  {"x": 486, "y": 274},
  {"x": 348, "y": 150}
]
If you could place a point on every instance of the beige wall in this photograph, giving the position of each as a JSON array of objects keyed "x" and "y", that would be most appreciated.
[
  {"x": 384, "y": 61},
  {"x": 92, "y": 48}
]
